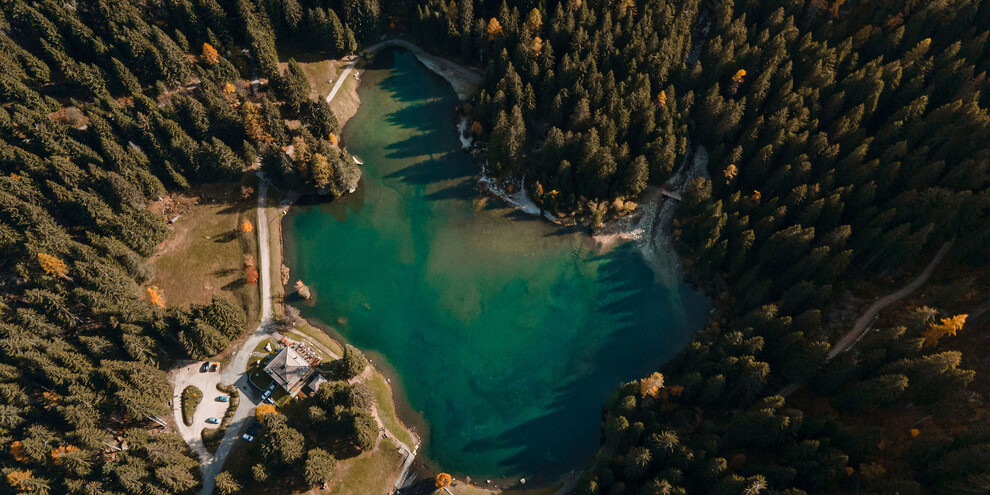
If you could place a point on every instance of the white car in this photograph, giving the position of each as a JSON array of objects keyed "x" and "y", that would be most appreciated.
[{"x": 247, "y": 437}]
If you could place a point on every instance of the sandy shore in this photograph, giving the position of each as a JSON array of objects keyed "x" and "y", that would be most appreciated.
[{"x": 650, "y": 225}]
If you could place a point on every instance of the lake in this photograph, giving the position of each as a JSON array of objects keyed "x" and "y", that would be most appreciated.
[{"x": 505, "y": 334}]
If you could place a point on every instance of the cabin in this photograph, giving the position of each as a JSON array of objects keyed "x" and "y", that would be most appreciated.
[{"x": 293, "y": 367}]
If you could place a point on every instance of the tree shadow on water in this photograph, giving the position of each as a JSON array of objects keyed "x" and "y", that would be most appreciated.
[
  {"x": 428, "y": 116},
  {"x": 430, "y": 171},
  {"x": 627, "y": 344}
]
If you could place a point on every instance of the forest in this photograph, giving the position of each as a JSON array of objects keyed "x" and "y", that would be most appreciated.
[{"x": 848, "y": 142}]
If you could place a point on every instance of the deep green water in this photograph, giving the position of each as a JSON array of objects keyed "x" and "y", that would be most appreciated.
[{"x": 506, "y": 334}]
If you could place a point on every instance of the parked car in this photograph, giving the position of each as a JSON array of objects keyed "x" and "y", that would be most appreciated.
[
  {"x": 268, "y": 393},
  {"x": 247, "y": 437},
  {"x": 222, "y": 398},
  {"x": 213, "y": 421},
  {"x": 214, "y": 367},
  {"x": 204, "y": 368}
]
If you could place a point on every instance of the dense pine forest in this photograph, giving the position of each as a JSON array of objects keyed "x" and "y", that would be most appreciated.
[{"x": 848, "y": 142}]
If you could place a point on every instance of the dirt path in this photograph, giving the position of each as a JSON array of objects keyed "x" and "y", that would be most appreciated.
[
  {"x": 342, "y": 78},
  {"x": 862, "y": 323},
  {"x": 211, "y": 465},
  {"x": 407, "y": 451}
]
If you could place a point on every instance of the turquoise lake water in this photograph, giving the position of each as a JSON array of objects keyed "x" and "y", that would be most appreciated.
[{"x": 505, "y": 334}]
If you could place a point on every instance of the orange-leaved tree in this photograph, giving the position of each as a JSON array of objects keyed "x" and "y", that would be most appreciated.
[
  {"x": 156, "y": 296},
  {"x": 18, "y": 478},
  {"x": 442, "y": 480},
  {"x": 210, "y": 55},
  {"x": 494, "y": 29},
  {"x": 263, "y": 410},
  {"x": 947, "y": 327},
  {"x": 651, "y": 385},
  {"x": 52, "y": 265},
  {"x": 246, "y": 226},
  {"x": 17, "y": 451},
  {"x": 730, "y": 172},
  {"x": 60, "y": 452},
  {"x": 252, "y": 275}
]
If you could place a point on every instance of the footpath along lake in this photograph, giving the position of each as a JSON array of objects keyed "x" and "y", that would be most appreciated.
[{"x": 506, "y": 334}]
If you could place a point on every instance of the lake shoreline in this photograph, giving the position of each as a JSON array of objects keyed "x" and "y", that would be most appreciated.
[{"x": 615, "y": 232}]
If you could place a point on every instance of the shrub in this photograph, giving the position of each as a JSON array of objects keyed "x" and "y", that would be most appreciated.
[{"x": 191, "y": 397}]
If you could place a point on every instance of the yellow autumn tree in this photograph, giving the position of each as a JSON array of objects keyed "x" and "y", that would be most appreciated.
[
  {"x": 60, "y": 452},
  {"x": 264, "y": 410},
  {"x": 534, "y": 21},
  {"x": 757, "y": 196},
  {"x": 320, "y": 169},
  {"x": 52, "y": 265},
  {"x": 247, "y": 227},
  {"x": 254, "y": 126},
  {"x": 625, "y": 5},
  {"x": 740, "y": 76},
  {"x": 230, "y": 94},
  {"x": 210, "y": 55},
  {"x": 17, "y": 478},
  {"x": 662, "y": 98},
  {"x": 332, "y": 138},
  {"x": 537, "y": 45},
  {"x": 730, "y": 172},
  {"x": 453, "y": 13},
  {"x": 476, "y": 128},
  {"x": 947, "y": 327},
  {"x": 156, "y": 296},
  {"x": 651, "y": 385},
  {"x": 494, "y": 29}
]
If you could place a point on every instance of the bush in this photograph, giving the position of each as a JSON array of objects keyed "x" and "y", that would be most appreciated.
[{"x": 191, "y": 397}]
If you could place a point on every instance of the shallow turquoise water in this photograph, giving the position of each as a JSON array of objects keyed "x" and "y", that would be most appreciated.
[{"x": 506, "y": 334}]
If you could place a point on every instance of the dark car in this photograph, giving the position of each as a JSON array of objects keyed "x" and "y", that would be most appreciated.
[
  {"x": 214, "y": 367},
  {"x": 204, "y": 368}
]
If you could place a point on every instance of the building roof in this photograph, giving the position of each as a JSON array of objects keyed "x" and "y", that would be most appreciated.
[
  {"x": 315, "y": 383},
  {"x": 289, "y": 369}
]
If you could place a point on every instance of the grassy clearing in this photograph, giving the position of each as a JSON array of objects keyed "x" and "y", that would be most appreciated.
[
  {"x": 204, "y": 253},
  {"x": 459, "y": 488},
  {"x": 319, "y": 73},
  {"x": 372, "y": 472},
  {"x": 386, "y": 409},
  {"x": 366, "y": 474},
  {"x": 191, "y": 397},
  {"x": 345, "y": 103},
  {"x": 274, "y": 216},
  {"x": 320, "y": 336}
]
